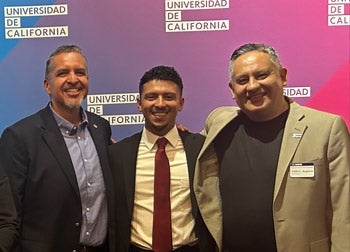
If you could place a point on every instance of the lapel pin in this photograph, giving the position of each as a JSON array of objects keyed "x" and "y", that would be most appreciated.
[
  {"x": 296, "y": 135},
  {"x": 95, "y": 126}
]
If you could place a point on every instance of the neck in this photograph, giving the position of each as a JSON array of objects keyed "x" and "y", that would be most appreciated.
[
  {"x": 266, "y": 115},
  {"x": 70, "y": 114}
]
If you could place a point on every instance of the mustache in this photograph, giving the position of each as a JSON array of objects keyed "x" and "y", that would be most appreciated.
[
  {"x": 160, "y": 110},
  {"x": 258, "y": 93},
  {"x": 69, "y": 86}
]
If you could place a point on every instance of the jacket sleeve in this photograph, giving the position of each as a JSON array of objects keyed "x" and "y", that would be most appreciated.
[
  {"x": 8, "y": 221},
  {"x": 339, "y": 171},
  {"x": 14, "y": 160}
]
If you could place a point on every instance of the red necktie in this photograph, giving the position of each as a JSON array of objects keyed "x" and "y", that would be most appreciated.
[{"x": 161, "y": 234}]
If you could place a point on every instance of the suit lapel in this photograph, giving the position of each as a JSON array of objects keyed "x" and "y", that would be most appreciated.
[
  {"x": 192, "y": 145},
  {"x": 129, "y": 166},
  {"x": 101, "y": 145},
  {"x": 57, "y": 145},
  {"x": 190, "y": 151},
  {"x": 293, "y": 133},
  {"x": 216, "y": 126}
]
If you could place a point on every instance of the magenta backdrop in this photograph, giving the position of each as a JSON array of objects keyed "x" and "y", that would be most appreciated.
[{"x": 122, "y": 39}]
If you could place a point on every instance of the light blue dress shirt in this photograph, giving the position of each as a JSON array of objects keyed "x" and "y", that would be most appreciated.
[{"x": 90, "y": 180}]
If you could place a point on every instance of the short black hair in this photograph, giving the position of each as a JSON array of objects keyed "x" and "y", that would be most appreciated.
[{"x": 166, "y": 73}]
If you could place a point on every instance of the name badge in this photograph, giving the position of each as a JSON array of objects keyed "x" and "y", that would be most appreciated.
[{"x": 302, "y": 170}]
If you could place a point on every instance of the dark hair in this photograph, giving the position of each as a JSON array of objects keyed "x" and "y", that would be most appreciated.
[
  {"x": 254, "y": 47},
  {"x": 161, "y": 73},
  {"x": 59, "y": 50}
]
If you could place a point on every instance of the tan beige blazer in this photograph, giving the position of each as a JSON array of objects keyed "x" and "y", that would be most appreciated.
[{"x": 310, "y": 213}]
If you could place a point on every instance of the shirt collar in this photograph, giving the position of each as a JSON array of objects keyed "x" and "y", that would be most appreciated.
[
  {"x": 67, "y": 127},
  {"x": 150, "y": 139}
]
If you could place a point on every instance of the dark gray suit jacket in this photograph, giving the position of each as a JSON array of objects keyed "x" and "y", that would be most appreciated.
[
  {"x": 8, "y": 222},
  {"x": 123, "y": 156},
  {"x": 36, "y": 159}
]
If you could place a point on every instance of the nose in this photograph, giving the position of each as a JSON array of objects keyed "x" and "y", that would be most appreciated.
[
  {"x": 160, "y": 102},
  {"x": 72, "y": 78},
  {"x": 253, "y": 83}
]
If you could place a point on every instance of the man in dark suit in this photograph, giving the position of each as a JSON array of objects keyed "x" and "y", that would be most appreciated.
[
  {"x": 57, "y": 164},
  {"x": 132, "y": 161},
  {"x": 8, "y": 222}
]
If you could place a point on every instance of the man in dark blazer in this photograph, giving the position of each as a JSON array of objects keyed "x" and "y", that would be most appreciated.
[
  {"x": 8, "y": 221},
  {"x": 132, "y": 164},
  {"x": 57, "y": 164}
]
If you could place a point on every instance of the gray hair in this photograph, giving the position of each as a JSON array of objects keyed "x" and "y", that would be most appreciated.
[
  {"x": 254, "y": 47},
  {"x": 63, "y": 49}
]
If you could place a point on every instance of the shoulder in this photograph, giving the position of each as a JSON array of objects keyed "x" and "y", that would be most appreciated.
[
  {"x": 319, "y": 124},
  {"x": 314, "y": 116},
  {"x": 27, "y": 124},
  {"x": 220, "y": 117},
  {"x": 224, "y": 112},
  {"x": 189, "y": 136},
  {"x": 126, "y": 142},
  {"x": 97, "y": 119},
  {"x": 131, "y": 139},
  {"x": 192, "y": 141}
]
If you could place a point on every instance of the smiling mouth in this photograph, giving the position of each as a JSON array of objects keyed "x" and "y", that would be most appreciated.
[
  {"x": 256, "y": 96},
  {"x": 73, "y": 90},
  {"x": 256, "y": 99},
  {"x": 159, "y": 114}
]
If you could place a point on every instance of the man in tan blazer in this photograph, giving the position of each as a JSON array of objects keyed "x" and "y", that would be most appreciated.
[{"x": 278, "y": 179}]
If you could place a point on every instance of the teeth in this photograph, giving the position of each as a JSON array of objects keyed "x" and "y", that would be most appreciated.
[
  {"x": 256, "y": 96},
  {"x": 73, "y": 89},
  {"x": 159, "y": 113}
]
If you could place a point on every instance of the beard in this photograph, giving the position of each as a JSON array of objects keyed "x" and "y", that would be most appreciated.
[{"x": 75, "y": 104}]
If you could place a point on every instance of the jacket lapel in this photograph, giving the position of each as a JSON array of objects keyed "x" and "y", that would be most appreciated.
[
  {"x": 192, "y": 145},
  {"x": 129, "y": 165},
  {"x": 188, "y": 147},
  {"x": 101, "y": 145},
  {"x": 293, "y": 133},
  {"x": 57, "y": 145},
  {"x": 216, "y": 126}
]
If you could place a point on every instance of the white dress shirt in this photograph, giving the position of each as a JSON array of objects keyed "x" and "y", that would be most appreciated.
[{"x": 181, "y": 211}]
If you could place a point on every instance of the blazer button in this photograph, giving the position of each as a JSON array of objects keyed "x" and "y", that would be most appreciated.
[{"x": 77, "y": 224}]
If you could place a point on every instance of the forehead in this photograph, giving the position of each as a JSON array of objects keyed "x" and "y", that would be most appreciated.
[
  {"x": 68, "y": 59},
  {"x": 160, "y": 86},
  {"x": 252, "y": 59}
]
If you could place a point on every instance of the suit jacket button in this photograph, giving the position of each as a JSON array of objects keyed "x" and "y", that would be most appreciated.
[{"x": 77, "y": 224}]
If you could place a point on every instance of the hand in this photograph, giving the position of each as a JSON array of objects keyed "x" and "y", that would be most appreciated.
[{"x": 181, "y": 128}]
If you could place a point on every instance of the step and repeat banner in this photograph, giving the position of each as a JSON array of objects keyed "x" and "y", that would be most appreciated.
[{"x": 123, "y": 39}]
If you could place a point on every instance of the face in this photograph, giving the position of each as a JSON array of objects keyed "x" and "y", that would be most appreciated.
[
  {"x": 257, "y": 85},
  {"x": 159, "y": 102},
  {"x": 67, "y": 83}
]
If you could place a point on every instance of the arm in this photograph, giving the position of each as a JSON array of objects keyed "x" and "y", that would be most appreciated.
[
  {"x": 14, "y": 159},
  {"x": 218, "y": 118},
  {"x": 207, "y": 124},
  {"x": 8, "y": 221},
  {"x": 339, "y": 169}
]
